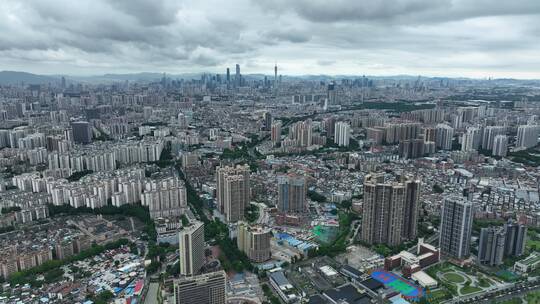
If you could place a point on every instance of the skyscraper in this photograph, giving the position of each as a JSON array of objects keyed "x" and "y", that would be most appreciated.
[
  {"x": 228, "y": 78},
  {"x": 444, "y": 136},
  {"x": 390, "y": 213},
  {"x": 409, "y": 228},
  {"x": 331, "y": 94},
  {"x": 268, "y": 120},
  {"x": 411, "y": 148},
  {"x": 342, "y": 134},
  {"x": 82, "y": 132},
  {"x": 456, "y": 227},
  {"x": 275, "y": 76},
  {"x": 403, "y": 131},
  {"x": 237, "y": 76},
  {"x": 329, "y": 124},
  {"x": 527, "y": 136},
  {"x": 491, "y": 246},
  {"x": 500, "y": 145},
  {"x": 254, "y": 241},
  {"x": 208, "y": 288},
  {"x": 302, "y": 133},
  {"x": 516, "y": 235},
  {"x": 233, "y": 191},
  {"x": 471, "y": 139},
  {"x": 236, "y": 197},
  {"x": 276, "y": 133},
  {"x": 191, "y": 243},
  {"x": 429, "y": 134},
  {"x": 488, "y": 136},
  {"x": 291, "y": 193},
  {"x": 375, "y": 135}
]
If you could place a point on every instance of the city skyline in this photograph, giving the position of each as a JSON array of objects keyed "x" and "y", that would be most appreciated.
[
  {"x": 431, "y": 38},
  {"x": 207, "y": 152}
]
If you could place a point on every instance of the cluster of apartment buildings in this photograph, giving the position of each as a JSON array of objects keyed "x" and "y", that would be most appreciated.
[
  {"x": 390, "y": 209},
  {"x": 497, "y": 243},
  {"x": 107, "y": 157},
  {"x": 165, "y": 194}
]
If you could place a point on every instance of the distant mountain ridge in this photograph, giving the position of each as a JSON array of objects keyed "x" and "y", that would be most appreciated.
[{"x": 17, "y": 77}]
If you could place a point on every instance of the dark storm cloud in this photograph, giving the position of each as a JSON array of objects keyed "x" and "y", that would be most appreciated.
[
  {"x": 448, "y": 37},
  {"x": 343, "y": 10},
  {"x": 152, "y": 13},
  {"x": 288, "y": 35},
  {"x": 404, "y": 11}
]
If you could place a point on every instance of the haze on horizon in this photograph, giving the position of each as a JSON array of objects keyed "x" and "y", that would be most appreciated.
[{"x": 455, "y": 38}]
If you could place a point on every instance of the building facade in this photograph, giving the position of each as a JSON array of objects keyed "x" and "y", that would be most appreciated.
[
  {"x": 342, "y": 134},
  {"x": 456, "y": 227},
  {"x": 500, "y": 145},
  {"x": 254, "y": 241},
  {"x": 82, "y": 132},
  {"x": 527, "y": 136},
  {"x": 491, "y": 246},
  {"x": 390, "y": 213},
  {"x": 191, "y": 245},
  {"x": 444, "y": 136},
  {"x": 276, "y": 133},
  {"x": 292, "y": 194},
  {"x": 208, "y": 288},
  {"x": 233, "y": 191},
  {"x": 516, "y": 236}
]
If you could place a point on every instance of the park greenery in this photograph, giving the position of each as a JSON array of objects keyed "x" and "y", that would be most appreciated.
[
  {"x": 529, "y": 157},
  {"x": 231, "y": 257},
  {"x": 6, "y": 229},
  {"x": 283, "y": 169},
  {"x": 194, "y": 201},
  {"x": 385, "y": 250},
  {"x": 455, "y": 280},
  {"x": 102, "y": 297},
  {"x": 7, "y": 210},
  {"x": 331, "y": 145},
  {"x": 78, "y": 175},
  {"x": 478, "y": 224},
  {"x": 184, "y": 220},
  {"x": 269, "y": 295},
  {"x": 157, "y": 253},
  {"x": 397, "y": 107},
  {"x": 217, "y": 232},
  {"x": 165, "y": 158},
  {"x": 154, "y": 124},
  {"x": 239, "y": 152},
  {"x": 251, "y": 213},
  {"x": 340, "y": 243},
  {"x": 438, "y": 189},
  {"x": 316, "y": 197},
  {"x": 533, "y": 297}
]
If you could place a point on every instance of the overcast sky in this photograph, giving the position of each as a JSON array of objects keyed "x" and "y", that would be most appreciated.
[{"x": 471, "y": 38}]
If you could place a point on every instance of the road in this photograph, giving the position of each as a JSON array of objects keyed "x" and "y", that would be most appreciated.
[
  {"x": 509, "y": 291},
  {"x": 503, "y": 298},
  {"x": 355, "y": 232},
  {"x": 151, "y": 295},
  {"x": 471, "y": 297},
  {"x": 132, "y": 224},
  {"x": 263, "y": 214}
]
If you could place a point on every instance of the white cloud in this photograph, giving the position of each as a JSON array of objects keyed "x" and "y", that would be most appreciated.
[{"x": 475, "y": 38}]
